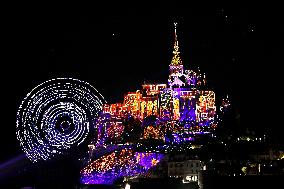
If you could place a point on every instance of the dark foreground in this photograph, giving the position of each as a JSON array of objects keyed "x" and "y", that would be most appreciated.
[{"x": 220, "y": 182}]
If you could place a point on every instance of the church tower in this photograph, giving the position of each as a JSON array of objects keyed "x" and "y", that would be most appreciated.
[{"x": 176, "y": 66}]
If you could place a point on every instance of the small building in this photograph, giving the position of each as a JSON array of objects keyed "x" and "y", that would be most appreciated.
[{"x": 187, "y": 169}]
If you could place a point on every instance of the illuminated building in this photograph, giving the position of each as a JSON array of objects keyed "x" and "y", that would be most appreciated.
[{"x": 184, "y": 101}]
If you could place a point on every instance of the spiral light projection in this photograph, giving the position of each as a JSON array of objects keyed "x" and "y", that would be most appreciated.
[{"x": 56, "y": 116}]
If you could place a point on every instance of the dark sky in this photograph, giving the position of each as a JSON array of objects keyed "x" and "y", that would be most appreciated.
[{"x": 119, "y": 48}]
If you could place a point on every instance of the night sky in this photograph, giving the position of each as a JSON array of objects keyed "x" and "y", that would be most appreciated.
[{"x": 118, "y": 49}]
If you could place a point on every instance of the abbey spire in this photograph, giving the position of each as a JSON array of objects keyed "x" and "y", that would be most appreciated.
[
  {"x": 176, "y": 60},
  {"x": 176, "y": 66}
]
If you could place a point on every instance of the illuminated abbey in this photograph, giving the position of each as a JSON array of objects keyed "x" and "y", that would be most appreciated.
[
  {"x": 183, "y": 104},
  {"x": 133, "y": 137}
]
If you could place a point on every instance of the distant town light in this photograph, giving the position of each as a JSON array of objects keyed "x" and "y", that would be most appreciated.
[{"x": 127, "y": 186}]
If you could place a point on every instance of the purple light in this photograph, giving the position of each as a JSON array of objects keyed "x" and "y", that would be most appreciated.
[
  {"x": 135, "y": 164},
  {"x": 146, "y": 159}
]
